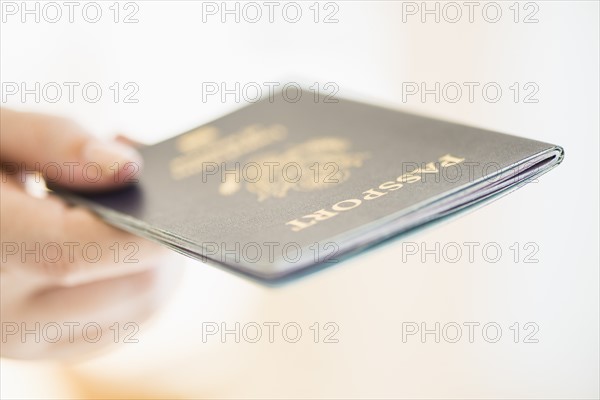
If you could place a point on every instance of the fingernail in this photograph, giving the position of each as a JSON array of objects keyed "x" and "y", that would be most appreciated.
[{"x": 111, "y": 156}]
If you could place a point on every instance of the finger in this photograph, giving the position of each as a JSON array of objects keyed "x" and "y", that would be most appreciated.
[
  {"x": 67, "y": 322},
  {"x": 60, "y": 245},
  {"x": 66, "y": 154},
  {"x": 128, "y": 141}
]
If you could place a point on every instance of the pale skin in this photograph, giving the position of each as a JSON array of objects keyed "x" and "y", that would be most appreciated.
[{"x": 43, "y": 289}]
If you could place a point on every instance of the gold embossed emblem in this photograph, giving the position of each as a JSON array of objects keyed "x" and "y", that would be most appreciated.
[
  {"x": 203, "y": 147},
  {"x": 315, "y": 164}
]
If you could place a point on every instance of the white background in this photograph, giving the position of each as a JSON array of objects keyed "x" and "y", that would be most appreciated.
[{"x": 368, "y": 54}]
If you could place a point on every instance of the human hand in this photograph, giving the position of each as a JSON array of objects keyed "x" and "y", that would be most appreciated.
[{"x": 69, "y": 282}]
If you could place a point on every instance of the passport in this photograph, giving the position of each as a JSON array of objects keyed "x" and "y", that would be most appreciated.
[{"x": 279, "y": 186}]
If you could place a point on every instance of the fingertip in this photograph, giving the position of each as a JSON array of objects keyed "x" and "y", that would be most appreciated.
[
  {"x": 108, "y": 165},
  {"x": 111, "y": 155},
  {"x": 128, "y": 141}
]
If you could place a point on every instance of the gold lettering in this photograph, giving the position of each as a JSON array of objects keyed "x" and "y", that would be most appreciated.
[
  {"x": 448, "y": 160},
  {"x": 390, "y": 185},
  {"x": 430, "y": 168},
  {"x": 338, "y": 207},
  {"x": 408, "y": 178},
  {"x": 320, "y": 215},
  {"x": 197, "y": 138},
  {"x": 203, "y": 145},
  {"x": 372, "y": 194}
]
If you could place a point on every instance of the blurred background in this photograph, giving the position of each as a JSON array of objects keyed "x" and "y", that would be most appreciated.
[{"x": 543, "y": 56}]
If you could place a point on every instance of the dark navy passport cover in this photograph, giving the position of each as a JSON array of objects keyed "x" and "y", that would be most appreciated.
[{"x": 276, "y": 187}]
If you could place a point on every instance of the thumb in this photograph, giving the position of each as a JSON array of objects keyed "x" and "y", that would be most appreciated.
[{"x": 64, "y": 153}]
